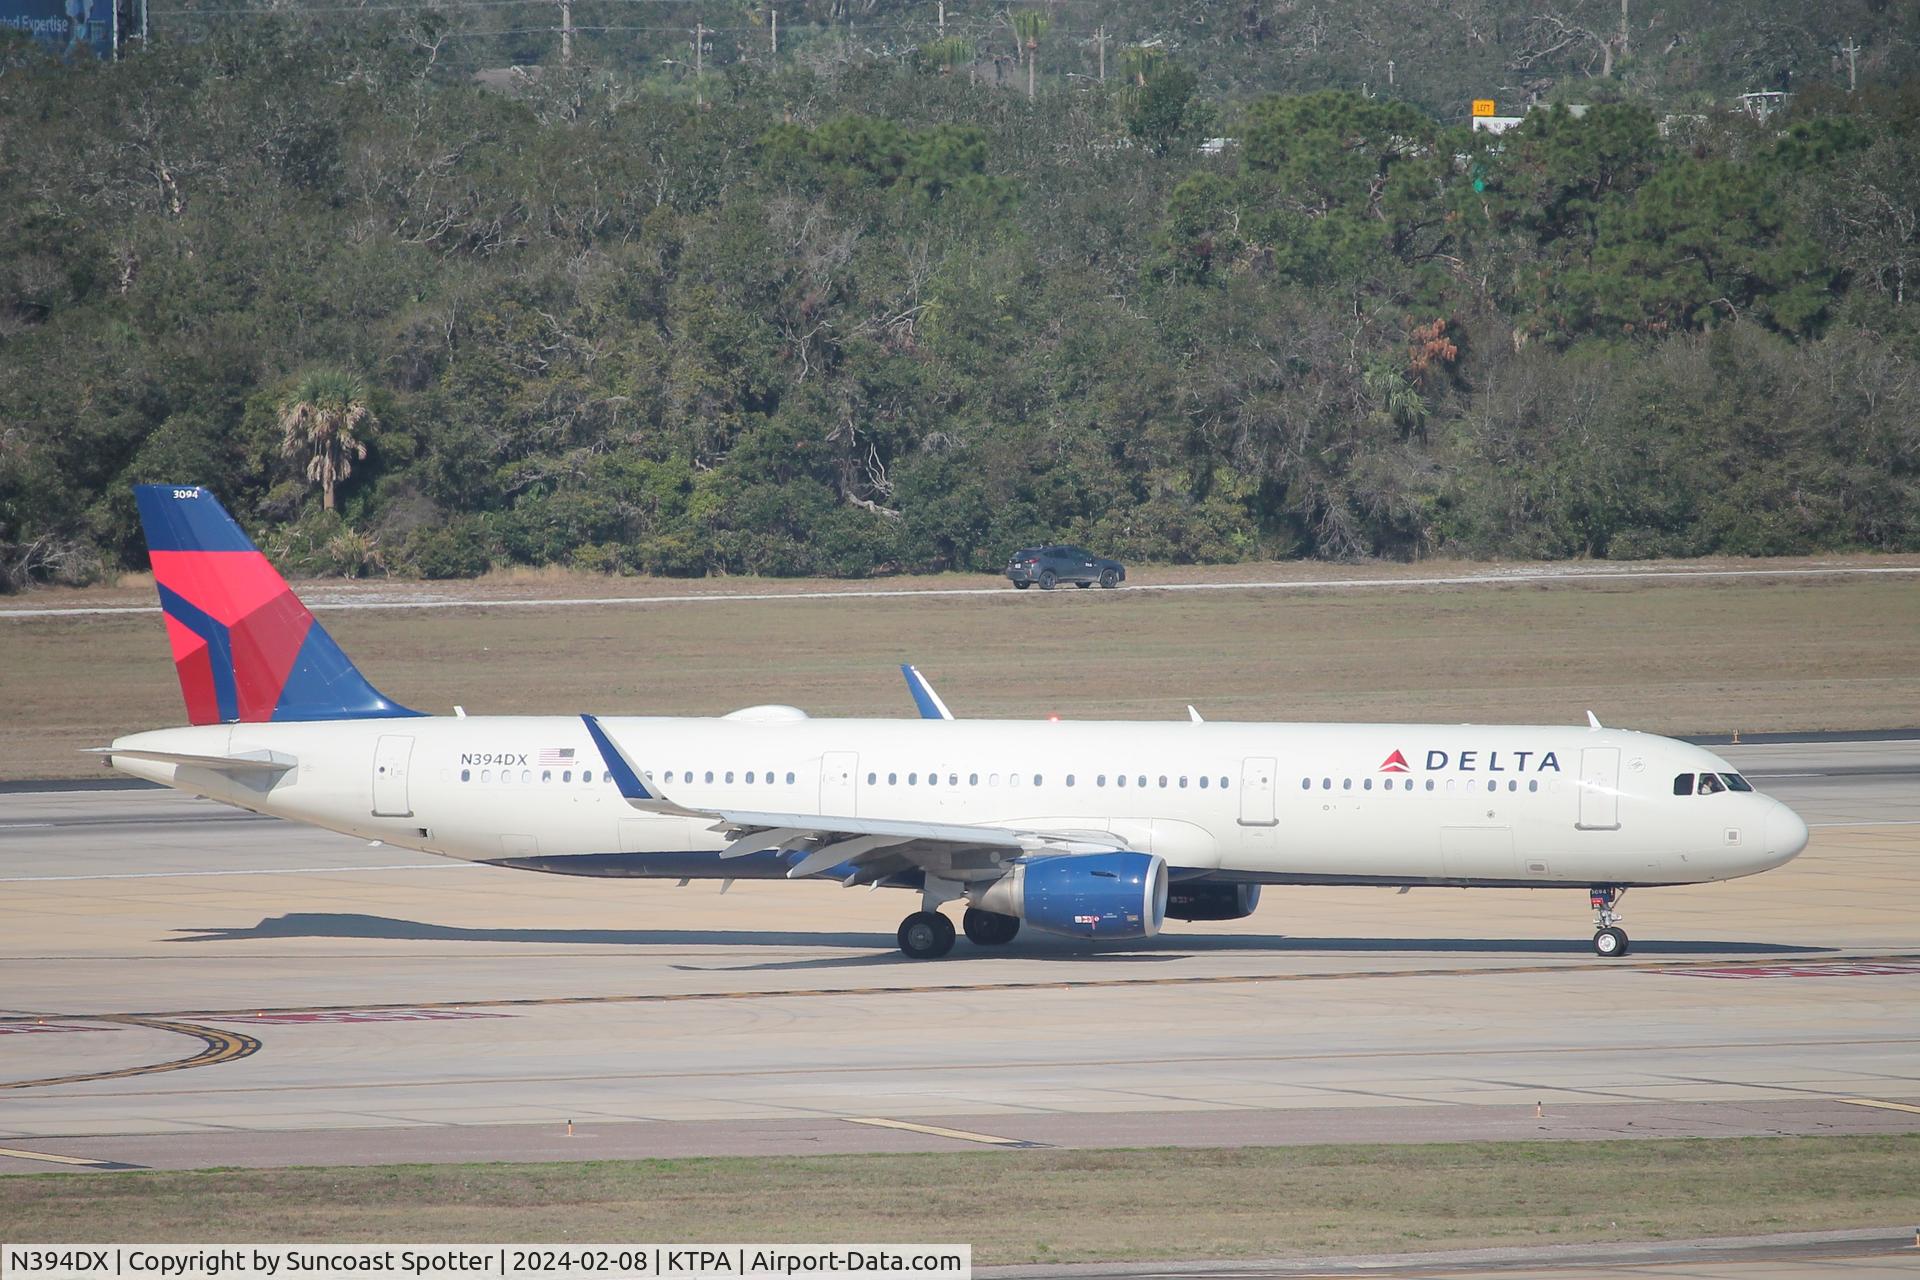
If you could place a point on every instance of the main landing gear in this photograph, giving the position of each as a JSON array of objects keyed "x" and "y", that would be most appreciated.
[
  {"x": 1609, "y": 939},
  {"x": 928, "y": 935},
  {"x": 925, "y": 935}
]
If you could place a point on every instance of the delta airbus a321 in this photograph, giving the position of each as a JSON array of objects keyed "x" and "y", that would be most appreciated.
[{"x": 1097, "y": 830}]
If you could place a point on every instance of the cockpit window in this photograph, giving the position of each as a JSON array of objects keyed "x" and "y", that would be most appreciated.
[
  {"x": 1710, "y": 783},
  {"x": 1735, "y": 782},
  {"x": 1683, "y": 784}
]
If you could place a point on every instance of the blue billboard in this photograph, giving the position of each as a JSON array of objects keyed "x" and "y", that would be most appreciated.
[{"x": 70, "y": 28}]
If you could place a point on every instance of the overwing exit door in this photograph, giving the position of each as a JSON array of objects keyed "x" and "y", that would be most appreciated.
[{"x": 839, "y": 784}]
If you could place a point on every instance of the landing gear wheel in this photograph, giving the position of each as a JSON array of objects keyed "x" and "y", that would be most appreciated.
[
  {"x": 1609, "y": 940},
  {"x": 1109, "y": 579},
  {"x": 1022, "y": 585},
  {"x": 1611, "y": 943},
  {"x": 925, "y": 935},
  {"x": 989, "y": 928},
  {"x": 1047, "y": 579}
]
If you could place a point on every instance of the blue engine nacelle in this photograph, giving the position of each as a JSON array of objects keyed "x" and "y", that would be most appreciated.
[
  {"x": 1201, "y": 900},
  {"x": 1083, "y": 895}
]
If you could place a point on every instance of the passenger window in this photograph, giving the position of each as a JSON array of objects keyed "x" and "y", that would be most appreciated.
[
  {"x": 546, "y": 775},
  {"x": 1069, "y": 779},
  {"x": 1223, "y": 784},
  {"x": 1683, "y": 784},
  {"x": 486, "y": 775},
  {"x": 729, "y": 775},
  {"x": 789, "y": 777},
  {"x": 1533, "y": 784},
  {"x": 1493, "y": 785},
  {"x": 1346, "y": 784},
  {"x": 506, "y": 775},
  {"x": 1163, "y": 782},
  {"x": 466, "y": 775},
  {"x": 933, "y": 779},
  {"x": 749, "y": 775},
  {"x": 1100, "y": 781},
  {"x": 1429, "y": 784},
  {"x": 1183, "y": 783},
  {"x": 709, "y": 776},
  {"x": 1037, "y": 779},
  {"x": 1710, "y": 783},
  {"x": 913, "y": 779},
  {"x": 973, "y": 779},
  {"x": 1367, "y": 785},
  {"x": 893, "y": 779},
  {"x": 953, "y": 779},
  {"x": 586, "y": 775},
  {"x": 1013, "y": 779},
  {"x": 1119, "y": 779},
  {"x": 1326, "y": 784},
  {"x": 1512, "y": 785},
  {"x": 993, "y": 779},
  {"x": 872, "y": 778},
  {"x": 1304, "y": 782},
  {"x": 1143, "y": 779}
]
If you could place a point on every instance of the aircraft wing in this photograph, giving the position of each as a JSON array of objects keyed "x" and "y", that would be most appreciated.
[
  {"x": 875, "y": 847},
  {"x": 930, "y": 703}
]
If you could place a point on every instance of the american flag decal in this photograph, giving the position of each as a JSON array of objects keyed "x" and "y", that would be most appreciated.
[{"x": 556, "y": 755}]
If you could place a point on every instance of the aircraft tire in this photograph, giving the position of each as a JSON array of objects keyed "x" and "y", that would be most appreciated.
[
  {"x": 989, "y": 928},
  {"x": 925, "y": 935},
  {"x": 1611, "y": 943}
]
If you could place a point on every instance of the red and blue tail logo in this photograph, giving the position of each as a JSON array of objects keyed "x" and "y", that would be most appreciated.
[{"x": 246, "y": 649}]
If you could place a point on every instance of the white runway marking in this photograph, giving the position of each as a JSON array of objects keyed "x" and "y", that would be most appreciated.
[
  {"x": 1494, "y": 579},
  {"x": 959, "y": 1135},
  {"x": 277, "y": 871}
]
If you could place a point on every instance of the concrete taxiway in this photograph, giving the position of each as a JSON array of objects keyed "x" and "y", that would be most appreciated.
[{"x": 188, "y": 986}]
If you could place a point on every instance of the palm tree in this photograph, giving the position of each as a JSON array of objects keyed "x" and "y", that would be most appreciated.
[
  {"x": 1028, "y": 26},
  {"x": 319, "y": 418}
]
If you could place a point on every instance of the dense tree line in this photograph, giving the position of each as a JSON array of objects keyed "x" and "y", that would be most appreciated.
[{"x": 878, "y": 312}]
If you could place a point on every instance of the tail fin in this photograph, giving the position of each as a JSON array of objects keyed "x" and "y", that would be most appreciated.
[{"x": 246, "y": 649}]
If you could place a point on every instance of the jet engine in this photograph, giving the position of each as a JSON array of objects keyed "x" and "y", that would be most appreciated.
[
  {"x": 1085, "y": 895},
  {"x": 1204, "y": 901}
]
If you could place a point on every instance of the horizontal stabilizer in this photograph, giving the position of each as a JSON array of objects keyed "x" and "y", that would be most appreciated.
[{"x": 256, "y": 762}]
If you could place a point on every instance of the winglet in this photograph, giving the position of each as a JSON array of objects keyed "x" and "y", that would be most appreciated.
[
  {"x": 625, "y": 776},
  {"x": 1593, "y": 721},
  {"x": 931, "y": 708}
]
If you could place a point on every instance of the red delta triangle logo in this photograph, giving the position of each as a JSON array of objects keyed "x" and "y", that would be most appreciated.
[{"x": 1395, "y": 763}]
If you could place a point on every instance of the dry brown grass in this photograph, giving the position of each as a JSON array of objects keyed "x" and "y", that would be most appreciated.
[
  {"x": 1029, "y": 1206},
  {"x": 1678, "y": 657}
]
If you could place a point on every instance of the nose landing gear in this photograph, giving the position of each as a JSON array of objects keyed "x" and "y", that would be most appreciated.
[{"x": 1609, "y": 940}]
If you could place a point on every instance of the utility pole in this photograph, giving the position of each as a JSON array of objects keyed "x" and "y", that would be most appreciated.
[
  {"x": 1102, "y": 38},
  {"x": 699, "y": 40},
  {"x": 776, "y": 32},
  {"x": 566, "y": 30},
  {"x": 1852, "y": 51},
  {"x": 1389, "y": 71},
  {"x": 943, "y": 19}
]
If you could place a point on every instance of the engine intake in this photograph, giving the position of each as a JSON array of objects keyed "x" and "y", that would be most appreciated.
[
  {"x": 1204, "y": 901},
  {"x": 1087, "y": 895}
]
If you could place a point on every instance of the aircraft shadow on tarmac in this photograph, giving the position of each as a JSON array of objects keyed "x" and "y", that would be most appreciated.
[{"x": 1163, "y": 947}]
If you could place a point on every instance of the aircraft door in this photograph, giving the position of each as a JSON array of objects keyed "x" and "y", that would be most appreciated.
[
  {"x": 390, "y": 758},
  {"x": 1599, "y": 789},
  {"x": 1256, "y": 792},
  {"x": 839, "y": 784}
]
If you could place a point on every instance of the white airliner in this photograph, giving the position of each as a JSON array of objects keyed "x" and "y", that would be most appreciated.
[{"x": 1094, "y": 830}]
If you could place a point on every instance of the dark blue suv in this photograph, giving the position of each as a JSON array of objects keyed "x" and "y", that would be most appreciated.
[{"x": 1049, "y": 566}]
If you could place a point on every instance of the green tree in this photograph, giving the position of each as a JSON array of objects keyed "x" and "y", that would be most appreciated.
[{"x": 322, "y": 419}]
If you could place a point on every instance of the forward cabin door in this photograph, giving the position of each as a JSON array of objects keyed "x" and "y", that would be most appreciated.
[
  {"x": 839, "y": 784},
  {"x": 390, "y": 758},
  {"x": 1256, "y": 792},
  {"x": 1599, "y": 789}
]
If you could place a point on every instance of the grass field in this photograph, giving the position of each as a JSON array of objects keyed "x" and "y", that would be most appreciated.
[
  {"x": 1030, "y": 1206},
  {"x": 1675, "y": 657}
]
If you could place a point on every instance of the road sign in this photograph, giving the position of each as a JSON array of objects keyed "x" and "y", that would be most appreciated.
[{"x": 1483, "y": 106}]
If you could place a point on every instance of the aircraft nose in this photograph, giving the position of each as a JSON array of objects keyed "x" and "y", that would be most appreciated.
[{"x": 1786, "y": 832}]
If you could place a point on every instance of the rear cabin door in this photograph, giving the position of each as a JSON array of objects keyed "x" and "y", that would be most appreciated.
[
  {"x": 1256, "y": 792},
  {"x": 839, "y": 784},
  {"x": 1599, "y": 789},
  {"x": 390, "y": 757}
]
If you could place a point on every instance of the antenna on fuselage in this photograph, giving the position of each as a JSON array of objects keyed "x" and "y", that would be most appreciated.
[
  {"x": 1193, "y": 715},
  {"x": 1593, "y": 721}
]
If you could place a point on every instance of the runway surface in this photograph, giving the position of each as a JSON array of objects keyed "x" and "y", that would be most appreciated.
[
  {"x": 188, "y": 986},
  {"x": 324, "y": 598}
]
